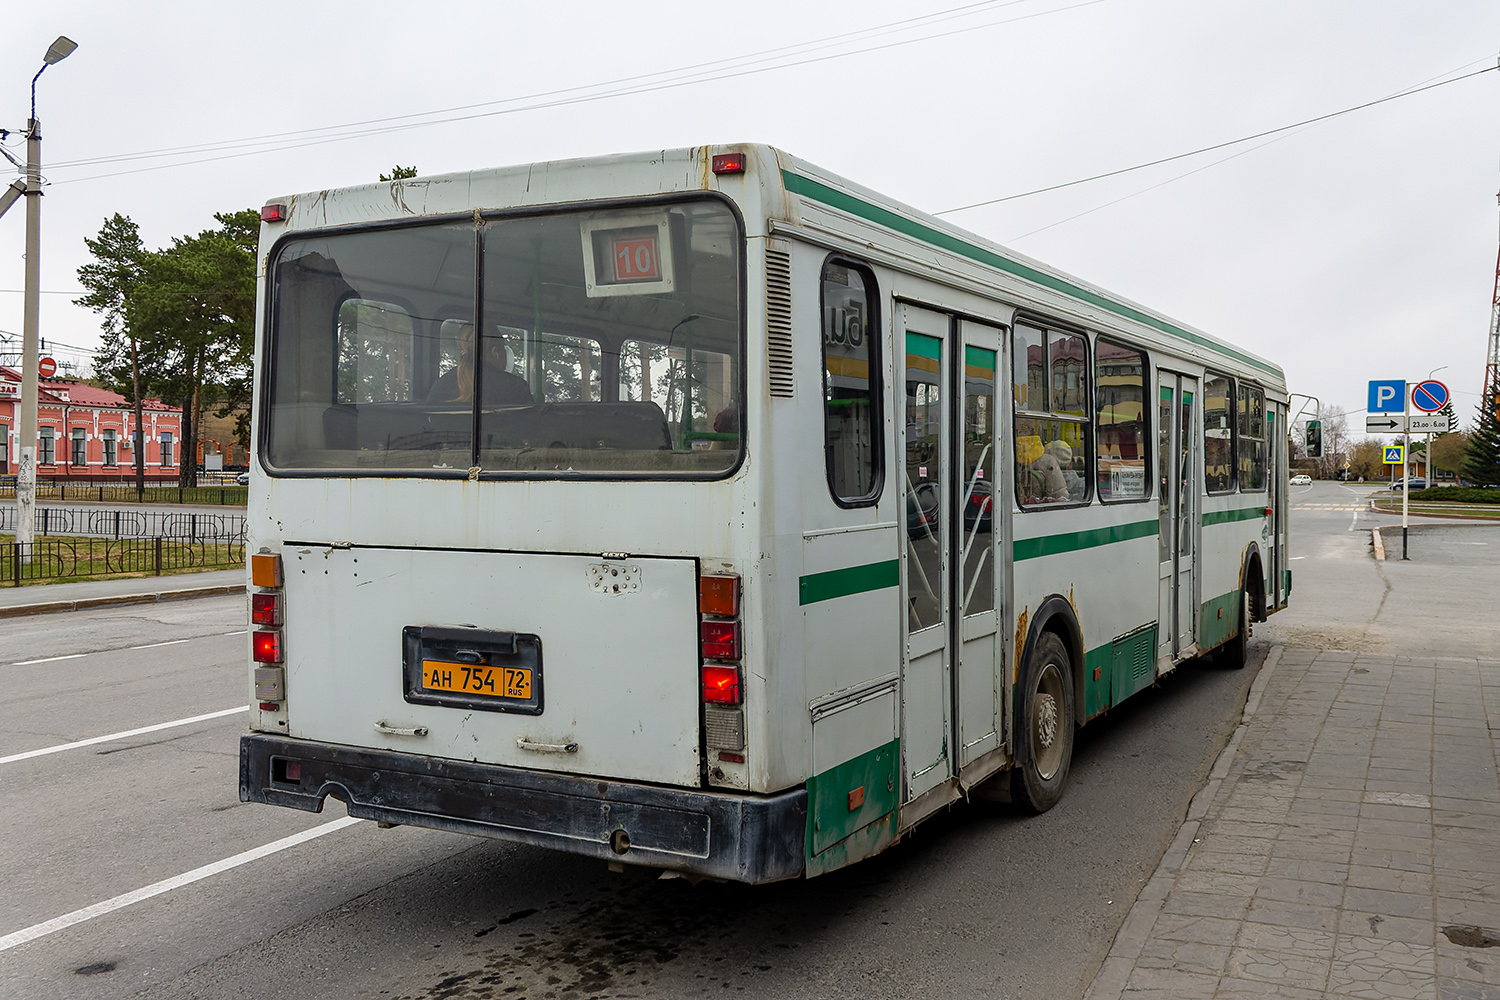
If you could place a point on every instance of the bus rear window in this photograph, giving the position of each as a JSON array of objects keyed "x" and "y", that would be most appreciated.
[{"x": 595, "y": 343}]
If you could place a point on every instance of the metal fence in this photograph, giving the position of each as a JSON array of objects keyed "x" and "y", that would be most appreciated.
[
  {"x": 93, "y": 522},
  {"x": 65, "y": 558},
  {"x": 222, "y": 495}
]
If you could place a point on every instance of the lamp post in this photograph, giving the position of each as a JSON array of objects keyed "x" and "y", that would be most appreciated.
[{"x": 26, "y": 479}]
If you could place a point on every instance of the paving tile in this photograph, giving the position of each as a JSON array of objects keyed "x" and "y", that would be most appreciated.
[
  {"x": 1395, "y": 860},
  {"x": 1358, "y": 923},
  {"x": 1297, "y": 891},
  {"x": 1390, "y": 879},
  {"x": 1386, "y": 842},
  {"x": 1474, "y": 887},
  {"x": 1251, "y": 989},
  {"x": 1479, "y": 965},
  {"x": 1397, "y": 828},
  {"x": 1195, "y": 928},
  {"x": 1191, "y": 983},
  {"x": 1190, "y": 903},
  {"x": 1454, "y": 989},
  {"x": 1184, "y": 956},
  {"x": 1292, "y": 915},
  {"x": 1387, "y": 903},
  {"x": 1217, "y": 883},
  {"x": 1334, "y": 873},
  {"x": 1225, "y": 861}
]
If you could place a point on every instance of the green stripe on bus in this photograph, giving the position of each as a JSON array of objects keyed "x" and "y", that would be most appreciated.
[
  {"x": 1230, "y": 516},
  {"x": 1073, "y": 541},
  {"x": 808, "y": 188},
  {"x": 850, "y": 580},
  {"x": 978, "y": 357},
  {"x": 923, "y": 346}
]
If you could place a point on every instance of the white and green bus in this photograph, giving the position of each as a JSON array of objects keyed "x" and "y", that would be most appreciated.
[{"x": 704, "y": 511}]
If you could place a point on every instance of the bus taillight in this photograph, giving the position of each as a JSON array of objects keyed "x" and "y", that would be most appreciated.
[
  {"x": 265, "y": 609},
  {"x": 721, "y": 640},
  {"x": 721, "y": 685},
  {"x": 265, "y": 645}
]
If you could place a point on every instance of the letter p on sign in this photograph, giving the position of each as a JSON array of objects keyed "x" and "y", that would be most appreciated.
[{"x": 1387, "y": 397}]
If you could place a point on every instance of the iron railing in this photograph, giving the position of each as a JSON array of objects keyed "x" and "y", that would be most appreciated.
[
  {"x": 65, "y": 558},
  {"x": 221, "y": 495},
  {"x": 93, "y": 522}
]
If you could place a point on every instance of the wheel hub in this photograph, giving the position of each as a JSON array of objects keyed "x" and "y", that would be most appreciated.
[{"x": 1046, "y": 721}]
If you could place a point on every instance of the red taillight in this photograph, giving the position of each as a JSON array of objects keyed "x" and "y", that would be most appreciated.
[
  {"x": 265, "y": 609},
  {"x": 265, "y": 646},
  {"x": 721, "y": 640},
  {"x": 729, "y": 163},
  {"x": 721, "y": 685},
  {"x": 273, "y": 213}
]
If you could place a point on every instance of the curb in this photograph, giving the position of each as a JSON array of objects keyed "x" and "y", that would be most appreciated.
[
  {"x": 1379, "y": 544},
  {"x": 84, "y": 603},
  {"x": 1114, "y": 975}
]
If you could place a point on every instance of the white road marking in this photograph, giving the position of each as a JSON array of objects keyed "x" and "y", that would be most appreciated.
[
  {"x": 120, "y": 736},
  {"x": 167, "y": 885},
  {"x": 154, "y": 645},
  {"x": 48, "y": 659}
]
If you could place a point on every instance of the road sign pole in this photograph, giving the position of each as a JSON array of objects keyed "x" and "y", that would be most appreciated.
[{"x": 1405, "y": 475}]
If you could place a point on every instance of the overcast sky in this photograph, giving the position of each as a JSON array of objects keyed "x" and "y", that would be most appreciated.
[{"x": 1356, "y": 249}]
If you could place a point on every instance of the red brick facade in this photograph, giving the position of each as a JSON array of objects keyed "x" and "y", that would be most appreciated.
[{"x": 87, "y": 432}]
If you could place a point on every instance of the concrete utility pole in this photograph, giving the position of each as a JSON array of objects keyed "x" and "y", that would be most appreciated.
[{"x": 30, "y": 332}]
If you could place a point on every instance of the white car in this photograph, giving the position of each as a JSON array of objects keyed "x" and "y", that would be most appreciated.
[
  {"x": 1302, "y": 479},
  {"x": 243, "y": 479}
]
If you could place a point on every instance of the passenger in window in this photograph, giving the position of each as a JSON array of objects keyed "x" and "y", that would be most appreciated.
[{"x": 501, "y": 388}]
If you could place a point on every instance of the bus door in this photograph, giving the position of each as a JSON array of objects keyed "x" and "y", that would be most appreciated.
[
  {"x": 1177, "y": 484},
  {"x": 949, "y": 445},
  {"x": 1276, "y": 473}
]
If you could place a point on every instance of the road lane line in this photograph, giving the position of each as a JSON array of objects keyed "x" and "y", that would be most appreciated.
[
  {"x": 167, "y": 885},
  {"x": 48, "y": 659},
  {"x": 120, "y": 736},
  {"x": 169, "y": 642}
]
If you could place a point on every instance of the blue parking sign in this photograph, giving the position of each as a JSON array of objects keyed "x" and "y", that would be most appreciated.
[{"x": 1387, "y": 397}]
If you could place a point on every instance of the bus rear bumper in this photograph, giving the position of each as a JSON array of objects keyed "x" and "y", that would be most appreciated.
[{"x": 743, "y": 838}]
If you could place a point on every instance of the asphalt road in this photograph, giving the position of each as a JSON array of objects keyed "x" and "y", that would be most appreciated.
[{"x": 980, "y": 902}]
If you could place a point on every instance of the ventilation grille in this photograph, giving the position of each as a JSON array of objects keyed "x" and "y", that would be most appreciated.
[{"x": 779, "y": 322}]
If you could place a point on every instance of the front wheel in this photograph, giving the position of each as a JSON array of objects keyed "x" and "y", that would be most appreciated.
[{"x": 1044, "y": 730}]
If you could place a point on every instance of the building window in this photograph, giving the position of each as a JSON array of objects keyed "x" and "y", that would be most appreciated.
[
  {"x": 1050, "y": 387},
  {"x": 4, "y": 448},
  {"x": 851, "y": 372},
  {"x": 166, "y": 450},
  {"x": 110, "y": 457},
  {"x": 79, "y": 439},
  {"x": 1252, "y": 438},
  {"x": 46, "y": 447},
  {"x": 1218, "y": 434}
]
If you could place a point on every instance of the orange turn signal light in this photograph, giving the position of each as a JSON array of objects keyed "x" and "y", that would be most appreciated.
[
  {"x": 265, "y": 569},
  {"x": 719, "y": 595}
]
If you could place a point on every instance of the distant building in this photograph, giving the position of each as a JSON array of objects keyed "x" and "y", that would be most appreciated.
[{"x": 84, "y": 431}]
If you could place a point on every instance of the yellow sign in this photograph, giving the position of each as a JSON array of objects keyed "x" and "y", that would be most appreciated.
[{"x": 1393, "y": 454}]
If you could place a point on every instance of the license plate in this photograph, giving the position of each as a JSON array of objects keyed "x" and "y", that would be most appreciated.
[{"x": 469, "y": 678}]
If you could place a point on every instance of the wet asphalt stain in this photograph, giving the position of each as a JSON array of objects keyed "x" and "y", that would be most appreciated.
[{"x": 94, "y": 968}]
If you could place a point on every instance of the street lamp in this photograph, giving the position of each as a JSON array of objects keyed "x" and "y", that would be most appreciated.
[{"x": 26, "y": 480}]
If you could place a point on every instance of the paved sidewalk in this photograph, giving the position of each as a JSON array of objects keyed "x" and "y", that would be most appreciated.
[
  {"x": 1347, "y": 843},
  {"x": 48, "y": 598}
]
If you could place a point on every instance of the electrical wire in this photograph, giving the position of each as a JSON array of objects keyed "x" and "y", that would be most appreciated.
[
  {"x": 1219, "y": 145},
  {"x": 714, "y": 76}
]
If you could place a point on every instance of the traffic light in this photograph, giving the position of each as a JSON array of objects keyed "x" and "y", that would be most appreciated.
[{"x": 1315, "y": 439}]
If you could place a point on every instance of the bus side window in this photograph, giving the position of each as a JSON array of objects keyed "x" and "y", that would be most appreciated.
[
  {"x": 1218, "y": 434},
  {"x": 851, "y": 391},
  {"x": 1050, "y": 386},
  {"x": 1252, "y": 427},
  {"x": 1120, "y": 421}
]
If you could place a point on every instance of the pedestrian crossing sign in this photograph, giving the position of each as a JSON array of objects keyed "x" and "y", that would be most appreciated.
[{"x": 1393, "y": 454}]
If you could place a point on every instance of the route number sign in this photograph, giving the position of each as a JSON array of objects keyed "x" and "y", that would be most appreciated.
[
  {"x": 1393, "y": 454},
  {"x": 1429, "y": 396}
]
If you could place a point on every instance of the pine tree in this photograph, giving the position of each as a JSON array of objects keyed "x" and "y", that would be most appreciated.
[{"x": 1482, "y": 463}]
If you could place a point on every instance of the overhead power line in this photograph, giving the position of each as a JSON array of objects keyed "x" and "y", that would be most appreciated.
[
  {"x": 688, "y": 76},
  {"x": 1219, "y": 145}
]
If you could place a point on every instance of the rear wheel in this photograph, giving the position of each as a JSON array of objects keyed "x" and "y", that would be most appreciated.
[
  {"x": 1044, "y": 730},
  {"x": 1235, "y": 653}
]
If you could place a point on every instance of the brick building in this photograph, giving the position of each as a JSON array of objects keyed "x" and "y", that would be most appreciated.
[{"x": 84, "y": 431}]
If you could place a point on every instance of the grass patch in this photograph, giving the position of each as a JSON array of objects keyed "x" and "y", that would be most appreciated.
[{"x": 75, "y": 560}]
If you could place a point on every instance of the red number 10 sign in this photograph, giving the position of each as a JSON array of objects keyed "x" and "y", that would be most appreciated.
[{"x": 635, "y": 258}]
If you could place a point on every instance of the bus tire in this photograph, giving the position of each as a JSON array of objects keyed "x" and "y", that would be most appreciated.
[
  {"x": 1044, "y": 731},
  {"x": 1235, "y": 653}
]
